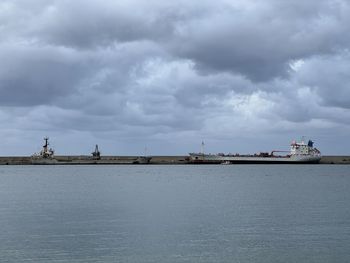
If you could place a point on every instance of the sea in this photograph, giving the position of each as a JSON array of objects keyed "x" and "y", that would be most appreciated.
[{"x": 178, "y": 213}]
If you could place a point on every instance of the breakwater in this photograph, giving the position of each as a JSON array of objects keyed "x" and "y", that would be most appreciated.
[
  {"x": 73, "y": 159},
  {"x": 83, "y": 159},
  {"x": 333, "y": 159}
]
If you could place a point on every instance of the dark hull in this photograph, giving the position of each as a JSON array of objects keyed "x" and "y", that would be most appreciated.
[{"x": 75, "y": 160}]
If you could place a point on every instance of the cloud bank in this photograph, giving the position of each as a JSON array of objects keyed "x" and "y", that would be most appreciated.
[{"x": 241, "y": 75}]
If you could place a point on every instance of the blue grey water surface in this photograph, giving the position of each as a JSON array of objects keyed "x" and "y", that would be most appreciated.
[{"x": 219, "y": 213}]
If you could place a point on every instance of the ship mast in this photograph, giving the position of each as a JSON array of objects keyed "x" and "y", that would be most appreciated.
[
  {"x": 96, "y": 154},
  {"x": 46, "y": 144},
  {"x": 46, "y": 152}
]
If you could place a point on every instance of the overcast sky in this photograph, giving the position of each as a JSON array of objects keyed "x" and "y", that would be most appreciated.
[{"x": 241, "y": 75}]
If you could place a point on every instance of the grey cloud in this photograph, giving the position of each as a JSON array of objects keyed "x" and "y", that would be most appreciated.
[
  {"x": 158, "y": 70},
  {"x": 39, "y": 74},
  {"x": 260, "y": 43},
  {"x": 329, "y": 76},
  {"x": 36, "y": 75},
  {"x": 254, "y": 39},
  {"x": 317, "y": 90},
  {"x": 90, "y": 24}
]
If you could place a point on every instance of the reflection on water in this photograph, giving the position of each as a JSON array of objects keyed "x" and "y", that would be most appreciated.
[{"x": 234, "y": 213}]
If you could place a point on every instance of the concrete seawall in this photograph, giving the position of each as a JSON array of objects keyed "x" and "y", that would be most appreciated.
[
  {"x": 15, "y": 160},
  {"x": 82, "y": 159},
  {"x": 335, "y": 160},
  {"x": 71, "y": 160}
]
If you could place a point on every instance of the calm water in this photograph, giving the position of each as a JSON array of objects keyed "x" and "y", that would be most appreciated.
[{"x": 219, "y": 213}]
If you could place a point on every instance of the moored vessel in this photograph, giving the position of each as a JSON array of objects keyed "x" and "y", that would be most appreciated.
[
  {"x": 300, "y": 152},
  {"x": 45, "y": 156}
]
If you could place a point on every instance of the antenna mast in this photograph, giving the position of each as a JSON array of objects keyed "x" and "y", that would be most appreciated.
[{"x": 96, "y": 154}]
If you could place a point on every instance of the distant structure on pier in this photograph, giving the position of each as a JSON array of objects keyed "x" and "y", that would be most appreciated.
[
  {"x": 46, "y": 152},
  {"x": 96, "y": 154}
]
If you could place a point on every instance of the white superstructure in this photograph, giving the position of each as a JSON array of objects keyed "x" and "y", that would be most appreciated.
[
  {"x": 301, "y": 148},
  {"x": 46, "y": 152}
]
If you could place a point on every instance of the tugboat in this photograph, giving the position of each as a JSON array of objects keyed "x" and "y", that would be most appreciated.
[
  {"x": 300, "y": 152},
  {"x": 45, "y": 156}
]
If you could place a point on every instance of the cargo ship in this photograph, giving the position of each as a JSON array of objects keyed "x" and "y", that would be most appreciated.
[{"x": 300, "y": 152}]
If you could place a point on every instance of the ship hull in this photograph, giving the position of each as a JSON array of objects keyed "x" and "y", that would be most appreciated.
[
  {"x": 79, "y": 160},
  {"x": 217, "y": 159},
  {"x": 43, "y": 161}
]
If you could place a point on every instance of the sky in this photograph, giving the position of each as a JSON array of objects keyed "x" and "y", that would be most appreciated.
[{"x": 159, "y": 77}]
